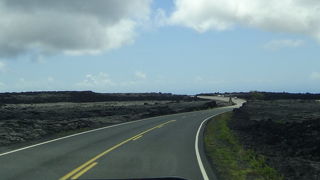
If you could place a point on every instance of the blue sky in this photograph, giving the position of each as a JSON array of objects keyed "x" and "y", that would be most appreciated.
[{"x": 173, "y": 56}]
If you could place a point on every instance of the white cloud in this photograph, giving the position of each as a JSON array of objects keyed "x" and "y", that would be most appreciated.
[
  {"x": 2, "y": 85},
  {"x": 94, "y": 81},
  {"x": 50, "y": 79},
  {"x": 129, "y": 83},
  {"x": 315, "y": 75},
  {"x": 2, "y": 66},
  {"x": 160, "y": 18},
  {"x": 41, "y": 84},
  {"x": 293, "y": 16},
  {"x": 140, "y": 75},
  {"x": 72, "y": 26},
  {"x": 103, "y": 82},
  {"x": 283, "y": 43},
  {"x": 203, "y": 80},
  {"x": 198, "y": 79}
]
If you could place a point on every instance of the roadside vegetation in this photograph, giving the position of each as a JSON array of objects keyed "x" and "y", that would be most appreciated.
[{"x": 229, "y": 159}]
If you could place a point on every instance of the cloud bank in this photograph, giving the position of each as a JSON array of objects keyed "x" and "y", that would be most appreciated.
[
  {"x": 82, "y": 26},
  {"x": 315, "y": 75},
  {"x": 72, "y": 26},
  {"x": 2, "y": 66},
  {"x": 102, "y": 81},
  {"x": 140, "y": 75},
  {"x": 289, "y": 16},
  {"x": 283, "y": 43},
  {"x": 99, "y": 80}
]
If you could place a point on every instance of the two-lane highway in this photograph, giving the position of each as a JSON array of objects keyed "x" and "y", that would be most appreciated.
[{"x": 154, "y": 147}]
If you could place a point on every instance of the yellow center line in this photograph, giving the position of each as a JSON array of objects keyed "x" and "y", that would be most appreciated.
[
  {"x": 92, "y": 160},
  {"x": 160, "y": 126},
  {"x": 88, "y": 163},
  {"x": 136, "y": 138},
  {"x": 84, "y": 170}
]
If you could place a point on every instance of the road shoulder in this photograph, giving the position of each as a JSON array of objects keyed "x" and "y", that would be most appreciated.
[{"x": 228, "y": 159}]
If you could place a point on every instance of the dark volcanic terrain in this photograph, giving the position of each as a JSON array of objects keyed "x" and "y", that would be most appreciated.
[
  {"x": 31, "y": 116},
  {"x": 286, "y": 132}
]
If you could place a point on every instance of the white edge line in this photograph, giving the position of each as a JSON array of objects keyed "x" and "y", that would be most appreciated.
[
  {"x": 85, "y": 132},
  {"x": 65, "y": 137},
  {"x": 201, "y": 166}
]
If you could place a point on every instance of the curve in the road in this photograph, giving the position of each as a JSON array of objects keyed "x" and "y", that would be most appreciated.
[{"x": 163, "y": 146}]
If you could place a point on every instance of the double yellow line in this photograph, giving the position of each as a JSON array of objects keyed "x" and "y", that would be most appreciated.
[{"x": 79, "y": 171}]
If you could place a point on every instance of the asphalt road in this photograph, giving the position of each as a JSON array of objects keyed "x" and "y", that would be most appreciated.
[{"x": 154, "y": 147}]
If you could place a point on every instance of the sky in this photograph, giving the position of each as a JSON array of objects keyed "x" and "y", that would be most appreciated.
[{"x": 176, "y": 46}]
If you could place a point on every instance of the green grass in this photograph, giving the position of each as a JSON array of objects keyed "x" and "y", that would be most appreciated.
[{"x": 229, "y": 159}]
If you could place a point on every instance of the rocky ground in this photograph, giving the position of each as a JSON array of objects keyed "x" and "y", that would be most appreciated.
[
  {"x": 24, "y": 122},
  {"x": 287, "y": 132}
]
